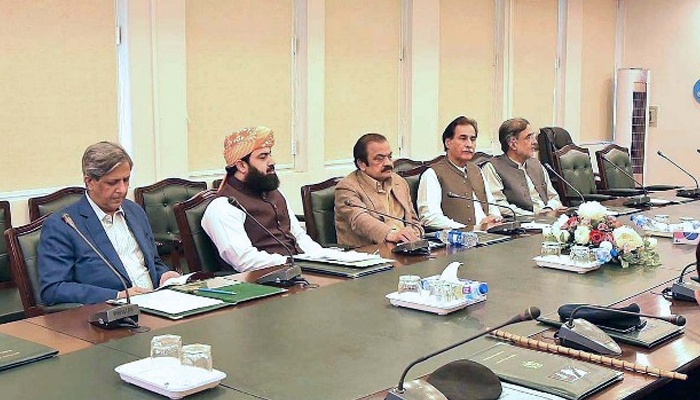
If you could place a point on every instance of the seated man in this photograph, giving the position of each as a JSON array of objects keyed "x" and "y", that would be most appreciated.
[
  {"x": 251, "y": 179},
  {"x": 455, "y": 173},
  {"x": 69, "y": 270},
  {"x": 374, "y": 185},
  {"x": 516, "y": 177}
]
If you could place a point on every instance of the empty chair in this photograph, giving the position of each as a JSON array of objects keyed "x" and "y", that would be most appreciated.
[
  {"x": 318, "y": 200},
  {"x": 611, "y": 178},
  {"x": 200, "y": 252},
  {"x": 5, "y": 224},
  {"x": 157, "y": 200},
  {"x": 58, "y": 200},
  {"x": 23, "y": 243},
  {"x": 574, "y": 164}
]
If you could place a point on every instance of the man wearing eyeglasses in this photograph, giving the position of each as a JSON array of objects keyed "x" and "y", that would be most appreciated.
[
  {"x": 375, "y": 186},
  {"x": 517, "y": 179}
]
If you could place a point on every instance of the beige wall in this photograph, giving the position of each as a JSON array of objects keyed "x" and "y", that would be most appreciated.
[
  {"x": 154, "y": 59},
  {"x": 467, "y": 70},
  {"x": 362, "y": 73},
  {"x": 664, "y": 36},
  {"x": 598, "y": 29},
  {"x": 58, "y": 89}
]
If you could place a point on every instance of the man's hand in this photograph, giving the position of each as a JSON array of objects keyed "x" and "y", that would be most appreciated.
[
  {"x": 404, "y": 235},
  {"x": 548, "y": 212},
  {"x": 489, "y": 221},
  {"x": 166, "y": 276},
  {"x": 133, "y": 291}
]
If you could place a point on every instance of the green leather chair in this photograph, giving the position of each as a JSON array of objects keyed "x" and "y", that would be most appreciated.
[
  {"x": 574, "y": 164},
  {"x": 318, "y": 201},
  {"x": 5, "y": 224},
  {"x": 612, "y": 178},
  {"x": 58, "y": 200},
  {"x": 23, "y": 243},
  {"x": 200, "y": 252},
  {"x": 157, "y": 200},
  {"x": 216, "y": 183},
  {"x": 480, "y": 158},
  {"x": 404, "y": 164},
  {"x": 412, "y": 177}
]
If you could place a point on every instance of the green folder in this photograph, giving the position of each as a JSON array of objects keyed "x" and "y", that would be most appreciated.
[
  {"x": 241, "y": 292},
  {"x": 15, "y": 351},
  {"x": 546, "y": 372},
  {"x": 654, "y": 332}
]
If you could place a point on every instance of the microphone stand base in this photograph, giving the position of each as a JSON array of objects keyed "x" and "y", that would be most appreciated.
[
  {"x": 124, "y": 316},
  {"x": 506, "y": 228},
  {"x": 637, "y": 201},
  {"x": 688, "y": 193},
  {"x": 416, "y": 390}
]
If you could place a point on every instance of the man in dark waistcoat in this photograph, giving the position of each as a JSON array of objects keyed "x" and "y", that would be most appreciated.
[
  {"x": 516, "y": 177},
  {"x": 252, "y": 180},
  {"x": 457, "y": 174}
]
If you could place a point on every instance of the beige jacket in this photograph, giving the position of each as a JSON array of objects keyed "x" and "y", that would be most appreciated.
[{"x": 356, "y": 227}]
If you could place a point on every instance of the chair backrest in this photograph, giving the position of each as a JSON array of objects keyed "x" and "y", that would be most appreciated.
[
  {"x": 611, "y": 177},
  {"x": 318, "y": 200},
  {"x": 434, "y": 160},
  {"x": 480, "y": 158},
  {"x": 5, "y": 224},
  {"x": 551, "y": 139},
  {"x": 58, "y": 200},
  {"x": 412, "y": 177},
  {"x": 404, "y": 164},
  {"x": 22, "y": 243},
  {"x": 216, "y": 183},
  {"x": 200, "y": 252},
  {"x": 158, "y": 199},
  {"x": 574, "y": 164}
]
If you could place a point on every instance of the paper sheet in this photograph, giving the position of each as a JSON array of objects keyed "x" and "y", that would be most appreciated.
[{"x": 172, "y": 302}]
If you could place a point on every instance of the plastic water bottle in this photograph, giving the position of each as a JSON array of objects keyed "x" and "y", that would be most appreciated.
[
  {"x": 643, "y": 222},
  {"x": 473, "y": 290},
  {"x": 458, "y": 238}
]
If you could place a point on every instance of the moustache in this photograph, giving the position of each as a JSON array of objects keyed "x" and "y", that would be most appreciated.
[{"x": 387, "y": 168}]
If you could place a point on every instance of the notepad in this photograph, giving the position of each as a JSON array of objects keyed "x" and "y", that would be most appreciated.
[{"x": 172, "y": 302}]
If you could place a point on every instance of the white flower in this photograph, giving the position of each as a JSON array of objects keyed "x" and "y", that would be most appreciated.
[
  {"x": 561, "y": 221},
  {"x": 627, "y": 239},
  {"x": 652, "y": 242},
  {"x": 582, "y": 234},
  {"x": 605, "y": 245},
  {"x": 592, "y": 210},
  {"x": 563, "y": 236}
]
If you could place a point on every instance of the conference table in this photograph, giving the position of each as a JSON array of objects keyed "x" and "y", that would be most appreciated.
[{"x": 343, "y": 340}]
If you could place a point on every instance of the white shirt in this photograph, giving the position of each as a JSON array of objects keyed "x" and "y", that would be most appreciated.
[
  {"x": 224, "y": 225},
  {"x": 496, "y": 184},
  {"x": 125, "y": 245},
  {"x": 430, "y": 203}
]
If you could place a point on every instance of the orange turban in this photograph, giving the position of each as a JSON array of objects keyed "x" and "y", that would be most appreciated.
[{"x": 245, "y": 141}]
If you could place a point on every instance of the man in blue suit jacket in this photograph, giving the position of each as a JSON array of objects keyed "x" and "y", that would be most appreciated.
[{"x": 69, "y": 270}]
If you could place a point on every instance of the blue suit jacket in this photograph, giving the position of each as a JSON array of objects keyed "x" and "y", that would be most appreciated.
[{"x": 71, "y": 272}]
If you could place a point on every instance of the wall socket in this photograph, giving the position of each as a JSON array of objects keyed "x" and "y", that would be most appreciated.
[{"x": 653, "y": 116}]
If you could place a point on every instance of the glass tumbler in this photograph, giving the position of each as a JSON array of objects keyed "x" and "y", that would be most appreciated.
[
  {"x": 166, "y": 346},
  {"x": 197, "y": 355},
  {"x": 550, "y": 249},
  {"x": 580, "y": 255},
  {"x": 409, "y": 284}
]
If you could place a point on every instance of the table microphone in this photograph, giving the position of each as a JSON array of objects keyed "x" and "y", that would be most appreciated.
[
  {"x": 549, "y": 167},
  {"x": 690, "y": 193},
  {"x": 633, "y": 200},
  {"x": 287, "y": 276},
  {"x": 584, "y": 335},
  {"x": 683, "y": 290},
  {"x": 123, "y": 316},
  {"x": 504, "y": 228},
  {"x": 420, "y": 390},
  {"x": 419, "y": 246}
]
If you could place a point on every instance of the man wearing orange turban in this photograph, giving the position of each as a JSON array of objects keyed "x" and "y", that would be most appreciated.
[{"x": 251, "y": 179}]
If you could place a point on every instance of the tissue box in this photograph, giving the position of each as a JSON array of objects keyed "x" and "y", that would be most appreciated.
[{"x": 686, "y": 237}]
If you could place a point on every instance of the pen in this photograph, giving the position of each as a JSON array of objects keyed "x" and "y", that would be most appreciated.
[{"x": 217, "y": 291}]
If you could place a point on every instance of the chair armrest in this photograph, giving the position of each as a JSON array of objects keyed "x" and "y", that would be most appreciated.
[{"x": 61, "y": 307}]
